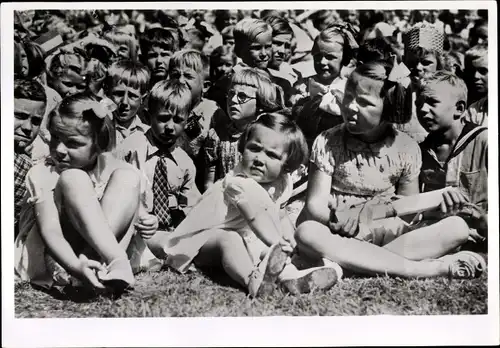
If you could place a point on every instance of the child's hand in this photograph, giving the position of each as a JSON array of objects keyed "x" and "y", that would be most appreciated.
[
  {"x": 286, "y": 246},
  {"x": 87, "y": 272},
  {"x": 147, "y": 225},
  {"x": 344, "y": 223},
  {"x": 453, "y": 200}
]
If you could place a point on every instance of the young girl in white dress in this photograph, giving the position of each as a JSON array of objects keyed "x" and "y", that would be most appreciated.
[
  {"x": 237, "y": 223},
  {"x": 71, "y": 218},
  {"x": 367, "y": 160}
]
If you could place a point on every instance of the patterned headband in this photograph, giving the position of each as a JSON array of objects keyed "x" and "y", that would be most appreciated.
[{"x": 425, "y": 36}]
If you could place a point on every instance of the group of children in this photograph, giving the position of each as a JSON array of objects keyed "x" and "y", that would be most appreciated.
[{"x": 135, "y": 154}]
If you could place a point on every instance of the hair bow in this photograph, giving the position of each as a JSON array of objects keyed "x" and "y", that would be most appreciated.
[
  {"x": 102, "y": 108},
  {"x": 400, "y": 74},
  {"x": 349, "y": 33}
]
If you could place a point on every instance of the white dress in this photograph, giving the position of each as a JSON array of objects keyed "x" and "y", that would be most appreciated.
[
  {"x": 217, "y": 210},
  {"x": 41, "y": 180}
]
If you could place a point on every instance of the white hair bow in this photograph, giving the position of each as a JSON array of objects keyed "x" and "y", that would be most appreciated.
[
  {"x": 102, "y": 108},
  {"x": 400, "y": 74}
]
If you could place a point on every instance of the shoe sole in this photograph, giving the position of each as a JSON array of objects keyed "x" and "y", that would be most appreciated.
[
  {"x": 321, "y": 279},
  {"x": 275, "y": 265}
]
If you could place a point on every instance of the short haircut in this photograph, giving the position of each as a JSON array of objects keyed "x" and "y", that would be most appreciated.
[
  {"x": 118, "y": 38},
  {"x": 216, "y": 56},
  {"x": 171, "y": 95},
  {"x": 158, "y": 37},
  {"x": 476, "y": 52},
  {"x": 246, "y": 31},
  {"x": 129, "y": 72},
  {"x": 420, "y": 52},
  {"x": 29, "y": 89},
  {"x": 280, "y": 25},
  {"x": 267, "y": 96},
  {"x": 296, "y": 147},
  {"x": 65, "y": 61},
  {"x": 189, "y": 58},
  {"x": 456, "y": 86}
]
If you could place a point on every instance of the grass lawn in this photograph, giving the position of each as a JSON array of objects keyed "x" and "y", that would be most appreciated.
[{"x": 168, "y": 294}]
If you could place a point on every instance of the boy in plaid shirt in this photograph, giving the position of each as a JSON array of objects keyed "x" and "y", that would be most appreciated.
[{"x": 29, "y": 108}]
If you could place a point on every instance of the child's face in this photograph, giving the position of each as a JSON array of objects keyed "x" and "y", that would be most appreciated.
[
  {"x": 225, "y": 65},
  {"x": 478, "y": 71},
  {"x": 233, "y": 17},
  {"x": 242, "y": 102},
  {"x": 68, "y": 83},
  {"x": 228, "y": 41},
  {"x": 264, "y": 155},
  {"x": 28, "y": 116},
  {"x": 167, "y": 126},
  {"x": 71, "y": 144},
  {"x": 24, "y": 64},
  {"x": 123, "y": 52},
  {"x": 281, "y": 50},
  {"x": 362, "y": 105},
  {"x": 328, "y": 61},
  {"x": 437, "y": 108},
  {"x": 258, "y": 53},
  {"x": 189, "y": 77},
  {"x": 158, "y": 58},
  {"x": 128, "y": 99},
  {"x": 421, "y": 67}
]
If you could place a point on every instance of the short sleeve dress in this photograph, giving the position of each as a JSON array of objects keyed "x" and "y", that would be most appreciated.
[
  {"x": 217, "y": 212},
  {"x": 361, "y": 171}
]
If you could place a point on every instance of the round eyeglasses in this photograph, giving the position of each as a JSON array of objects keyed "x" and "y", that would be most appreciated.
[{"x": 240, "y": 96}]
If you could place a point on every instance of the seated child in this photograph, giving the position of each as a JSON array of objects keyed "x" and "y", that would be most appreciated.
[
  {"x": 423, "y": 56},
  {"x": 476, "y": 77},
  {"x": 455, "y": 153},
  {"x": 157, "y": 46},
  {"x": 237, "y": 223},
  {"x": 190, "y": 68},
  {"x": 251, "y": 92},
  {"x": 29, "y": 108},
  {"x": 168, "y": 170},
  {"x": 71, "y": 222},
  {"x": 365, "y": 161},
  {"x": 127, "y": 85},
  {"x": 333, "y": 48}
]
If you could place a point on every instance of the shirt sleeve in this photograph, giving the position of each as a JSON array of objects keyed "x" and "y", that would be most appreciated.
[
  {"x": 210, "y": 147},
  {"x": 411, "y": 161},
  {"x": 239, "y": 189},
  {"x": 40, "y": 183},
  {"x": 321, "y": 154},
  {"x": 189, "y": 189}
]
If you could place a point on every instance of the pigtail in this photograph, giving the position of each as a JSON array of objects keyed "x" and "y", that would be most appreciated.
[{"x": 398, "y": 101}]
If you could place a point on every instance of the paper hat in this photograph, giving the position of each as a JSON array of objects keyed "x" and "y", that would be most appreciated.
[
  {"x": 425, "y": 36},
  {"x": 50, "y": 41}
]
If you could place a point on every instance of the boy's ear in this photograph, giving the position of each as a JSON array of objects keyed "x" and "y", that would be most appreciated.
[
  {"x": 460, "y": 108},
  {"x": 206, "y": 86}
]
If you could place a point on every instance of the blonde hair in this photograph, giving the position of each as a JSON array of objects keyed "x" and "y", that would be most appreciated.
[
  {"x": 456, "y": 86},
  {"x": 129, "y": 72},
  {"x": 76, "y": 107},
  {"x": 267, "y": 96},
  {"x": 247, "y": 30},
  {"x": 171, "y": 95},
  {"x": 189, "y": 58},
  {"x": 118, "y": 38}
]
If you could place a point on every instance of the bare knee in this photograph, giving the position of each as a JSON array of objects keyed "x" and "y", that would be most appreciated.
[
  {"x": 306, "y": 232},
  {"x": 71, "y": 180},
  {"x": 128, "y": 178},
  {"x": 229, "y": 240},
  {"x": 457, "y": 227}
]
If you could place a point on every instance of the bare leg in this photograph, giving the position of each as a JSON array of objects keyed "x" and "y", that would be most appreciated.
[
  {"x": 316, "y": 240},
  {"x": 432, "y": 241},
  {"x": 86, "y": 214},
  {"x": 227, "y": 249}
]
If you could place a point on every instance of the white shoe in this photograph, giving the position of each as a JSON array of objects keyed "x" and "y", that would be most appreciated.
[
  {"x": 266, "y": 273},
  {"x": 310, "y": 279},
  {"x": 464, "y": 265}
]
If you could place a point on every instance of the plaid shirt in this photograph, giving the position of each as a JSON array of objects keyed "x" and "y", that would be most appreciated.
[{"x": 22, "y": 164}]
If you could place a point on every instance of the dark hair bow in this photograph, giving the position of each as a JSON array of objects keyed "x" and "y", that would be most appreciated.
[{"x": 349, "y": 33}]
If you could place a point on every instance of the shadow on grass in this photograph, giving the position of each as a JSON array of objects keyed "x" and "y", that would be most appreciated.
[
  {"x": 219, "y": 277},
  {"x": 80, "y": 294}
]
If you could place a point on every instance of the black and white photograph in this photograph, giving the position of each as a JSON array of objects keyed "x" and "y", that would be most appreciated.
[{"x": 267, "y": 161}]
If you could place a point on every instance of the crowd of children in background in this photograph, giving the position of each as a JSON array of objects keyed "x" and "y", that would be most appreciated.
[{"x": 276, "y": 145}]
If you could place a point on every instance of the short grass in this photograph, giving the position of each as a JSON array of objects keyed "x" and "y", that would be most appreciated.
[{"x": 168, "y": 294}]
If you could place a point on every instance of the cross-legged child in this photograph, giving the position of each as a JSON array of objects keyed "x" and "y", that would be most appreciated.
[
  {"x": 71, "y": 218},
  {"x": 455, "y": 153},
  {"x": 168, "y": 170},
  {"x": 251, "y": 92},
  {"x": 127, "y": 85},
  {"x": 237, "y": 225},
  {"x": 29, "y": 108},
  {"x": 476, "y": 77},
  {"x": 366, "y": 160}
]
